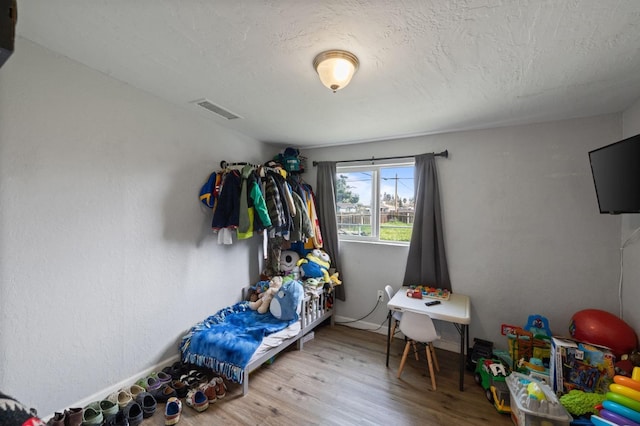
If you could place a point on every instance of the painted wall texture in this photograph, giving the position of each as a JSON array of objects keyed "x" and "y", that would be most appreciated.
[
  {"x": 106, "y": 256},
  {"x": 522, "y": 227}
]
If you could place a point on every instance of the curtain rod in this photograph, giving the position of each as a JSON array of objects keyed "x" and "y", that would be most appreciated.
[{"x": 444, "y": 154}]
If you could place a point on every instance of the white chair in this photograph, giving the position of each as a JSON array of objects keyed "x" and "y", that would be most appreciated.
[
  {"x": 419, "y": 328},
  {"x": 395, "y": 320}
]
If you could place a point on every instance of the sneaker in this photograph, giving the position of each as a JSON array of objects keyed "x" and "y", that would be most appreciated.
[
  {"x": 133, "y": 413},
  {"x": 148, "y": 404},
  {"x": 209, "y": 390},
  {"x": 172, "y": 411},
  {"x": 221, "y": 388},
  {"x": 197, "y": 400}
]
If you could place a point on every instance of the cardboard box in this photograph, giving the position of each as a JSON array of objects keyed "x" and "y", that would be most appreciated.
[{"x": 580, "y": 365}]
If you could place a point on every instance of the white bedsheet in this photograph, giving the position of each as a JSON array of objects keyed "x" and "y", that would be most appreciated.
[{"x": 273, "y": 340}]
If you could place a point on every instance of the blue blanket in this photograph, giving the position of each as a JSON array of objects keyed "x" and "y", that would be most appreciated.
[{"x": 226, "y": 341}]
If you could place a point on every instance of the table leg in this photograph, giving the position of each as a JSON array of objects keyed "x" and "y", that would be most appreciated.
[
  {"x": 389, "y": 318},
  {"x": 464, "y": 337}
]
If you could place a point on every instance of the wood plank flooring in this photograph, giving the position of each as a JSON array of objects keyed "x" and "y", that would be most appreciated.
[{"x": 340, "y": 378}]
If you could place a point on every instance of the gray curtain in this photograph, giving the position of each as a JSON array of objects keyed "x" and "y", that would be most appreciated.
[
  {"x": 326, "y": 209},
  {"x": 427, "y": 261}
]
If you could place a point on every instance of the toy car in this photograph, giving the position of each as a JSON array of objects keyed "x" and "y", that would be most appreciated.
[{"x": 491, "y": 375}]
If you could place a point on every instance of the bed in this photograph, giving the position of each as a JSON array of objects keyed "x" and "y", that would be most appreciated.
[{"x": 236, "y": 340}]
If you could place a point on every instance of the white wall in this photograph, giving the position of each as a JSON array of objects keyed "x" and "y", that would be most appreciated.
[
  {"x": 522, "y": 227},
  {"x": 631, "y": 222},
  {"x": 106, "y": 255}
]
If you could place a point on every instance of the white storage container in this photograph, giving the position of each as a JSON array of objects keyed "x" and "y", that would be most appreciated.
[{"x": 527, "y": 410}]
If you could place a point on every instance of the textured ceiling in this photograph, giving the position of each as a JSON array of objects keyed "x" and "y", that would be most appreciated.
[{"x": 426, "y": 66}]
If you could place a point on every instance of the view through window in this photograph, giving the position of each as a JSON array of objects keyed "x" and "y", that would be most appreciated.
[{"x": 375, "y": 202}]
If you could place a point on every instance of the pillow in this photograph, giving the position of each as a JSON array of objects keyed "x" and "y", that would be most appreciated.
[{"x": 285, "y": 304}]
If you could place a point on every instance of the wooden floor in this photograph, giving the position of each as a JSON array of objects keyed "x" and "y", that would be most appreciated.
[{"x": 340, "y": 378}]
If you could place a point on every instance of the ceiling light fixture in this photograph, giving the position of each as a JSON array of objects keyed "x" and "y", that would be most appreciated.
[{"x": 335, "y": 68}]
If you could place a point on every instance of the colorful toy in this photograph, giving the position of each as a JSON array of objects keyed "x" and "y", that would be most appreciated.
[
  {"x": 315, "y": 265},
  {"x": 491, "y": 375},
  {"x": 605, "y": 329},
  {"x": 622, "y": 403}
]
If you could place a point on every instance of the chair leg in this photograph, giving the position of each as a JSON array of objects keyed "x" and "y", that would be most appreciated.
[
  {"x": 433, "y": 353},
  {"x": 404, "y": 358},
  {"x": 415, "y": 350},
  {"x": 393, "y": 330},
  {"x": 431, "y": 373}
]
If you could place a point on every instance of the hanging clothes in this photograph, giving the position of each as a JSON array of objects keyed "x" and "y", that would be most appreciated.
[
  {"x": 226, "y": 213},
  {"x": 251, "y": 202}
]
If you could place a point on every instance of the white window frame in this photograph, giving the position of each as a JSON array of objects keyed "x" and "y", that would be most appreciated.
[{"x": 375, "y": 197}]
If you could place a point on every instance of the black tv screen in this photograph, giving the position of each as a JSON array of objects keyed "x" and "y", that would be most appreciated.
[{"x": 616, "y": 175}]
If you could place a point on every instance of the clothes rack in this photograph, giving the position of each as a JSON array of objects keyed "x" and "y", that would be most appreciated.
[{"x": 444, "y": 154}]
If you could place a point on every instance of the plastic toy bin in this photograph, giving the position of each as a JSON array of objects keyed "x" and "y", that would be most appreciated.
[{"x": 530, "y": 411}]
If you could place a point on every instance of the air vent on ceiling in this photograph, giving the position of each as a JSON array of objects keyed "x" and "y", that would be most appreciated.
[{"x": 208, "y": 105}]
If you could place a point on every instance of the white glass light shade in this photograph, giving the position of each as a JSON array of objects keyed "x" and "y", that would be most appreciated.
[{"x": 335, "y": 68}]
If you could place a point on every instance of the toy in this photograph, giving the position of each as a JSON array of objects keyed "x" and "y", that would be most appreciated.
[
  {"x": 285, "y": 304},
  {"x": 491, "y": 375},
  {"x": 315, "y": 265},
  {"x": 264, "y": 299},
  {"x": 604, "y": 329},
  {"x": 288, "y": 262},
  {"x": 579, "y": 402}
]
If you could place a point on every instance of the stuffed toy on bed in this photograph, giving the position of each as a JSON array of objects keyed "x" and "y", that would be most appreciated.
[
  {"x": 286, "y": 302},
  {"x": 264, "y": 299},
  {"x": 315, "y": 265}
]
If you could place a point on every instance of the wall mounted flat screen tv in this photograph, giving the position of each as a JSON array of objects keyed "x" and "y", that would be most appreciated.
[{"x": 616, "y": 175}]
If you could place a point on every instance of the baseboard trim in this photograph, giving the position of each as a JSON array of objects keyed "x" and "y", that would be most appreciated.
[
  {"x": 98, "y": 396},
  {"x": 444, "y": 344}
]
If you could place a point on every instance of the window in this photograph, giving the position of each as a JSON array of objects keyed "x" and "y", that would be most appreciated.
[{"x": 375, "y": 202}]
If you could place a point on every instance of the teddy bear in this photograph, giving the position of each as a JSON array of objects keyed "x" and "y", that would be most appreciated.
[
  {"x": 315, "y": 265},
  {"x": 264, "y": 299}
]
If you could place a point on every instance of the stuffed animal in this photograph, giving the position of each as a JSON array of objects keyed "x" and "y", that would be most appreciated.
[
  {"x": 315, "y": 265},
  {"x": 289, "y": 263},
  {"x": 286, "y": 302},
  {"x": 264, "y": 299}
]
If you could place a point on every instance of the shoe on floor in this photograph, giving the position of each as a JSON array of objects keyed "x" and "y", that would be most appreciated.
[
  {"x": 197, "y": 400},
  {"x": 73, "y": 416},
  {"x": 56, "y": 420},
  {"x": 133, "y": 413},
  {"x": 163, "y": 393},
  {"x": 91, "y": 416},
  {"x": 172, "y": 411},
  {"x": 221, "y": 388},
  {"x": 148, "y": 404},
  {"x": 181, "y": 388},
  {"x": 120, "y": 419},
  {"x": 109, "y": 408},
  {"x": 134, "y": 390},
  {"x": 209, "y": 390}
]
